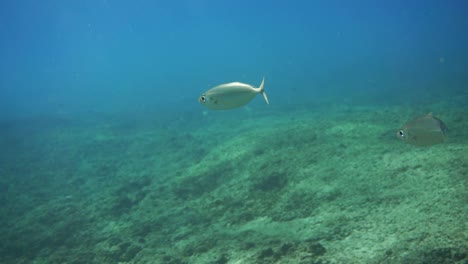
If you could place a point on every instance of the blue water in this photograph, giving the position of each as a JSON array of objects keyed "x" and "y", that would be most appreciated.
[
  {"x": 108, "y": 56},
  {"x": 106, "y": 155}
]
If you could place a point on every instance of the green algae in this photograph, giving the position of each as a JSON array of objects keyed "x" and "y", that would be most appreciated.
[{"x": 328, "y": 186}]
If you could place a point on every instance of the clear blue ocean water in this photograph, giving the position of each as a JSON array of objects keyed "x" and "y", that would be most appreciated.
[{"x": 116, "y": 56}]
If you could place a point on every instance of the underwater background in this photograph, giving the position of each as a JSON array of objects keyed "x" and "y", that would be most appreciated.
[{"x": 106, "y": 155}]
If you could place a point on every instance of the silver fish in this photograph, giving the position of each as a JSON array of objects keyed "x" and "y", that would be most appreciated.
[
  {"x": 424, "y": 130},
  {"x": 231, "y": 95}
]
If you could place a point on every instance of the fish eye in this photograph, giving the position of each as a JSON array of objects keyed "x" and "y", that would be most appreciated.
[
  {"x": 203, "y": 99},
  {"x": 402, "y": 134}
]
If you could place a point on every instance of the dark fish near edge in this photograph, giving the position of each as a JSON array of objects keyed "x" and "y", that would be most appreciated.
[{"x": 425, "y": 130}]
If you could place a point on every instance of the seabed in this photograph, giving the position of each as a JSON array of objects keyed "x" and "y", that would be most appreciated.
[{"x": 316, "y": 183}]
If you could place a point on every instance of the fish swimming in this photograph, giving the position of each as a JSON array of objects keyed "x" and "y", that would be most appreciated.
[
  {"x": 424, "y": 130},
  {"x": 231, "y": 95}
]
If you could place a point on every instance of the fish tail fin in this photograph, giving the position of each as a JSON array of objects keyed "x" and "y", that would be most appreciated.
[{"x": 262, "y": 90}]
